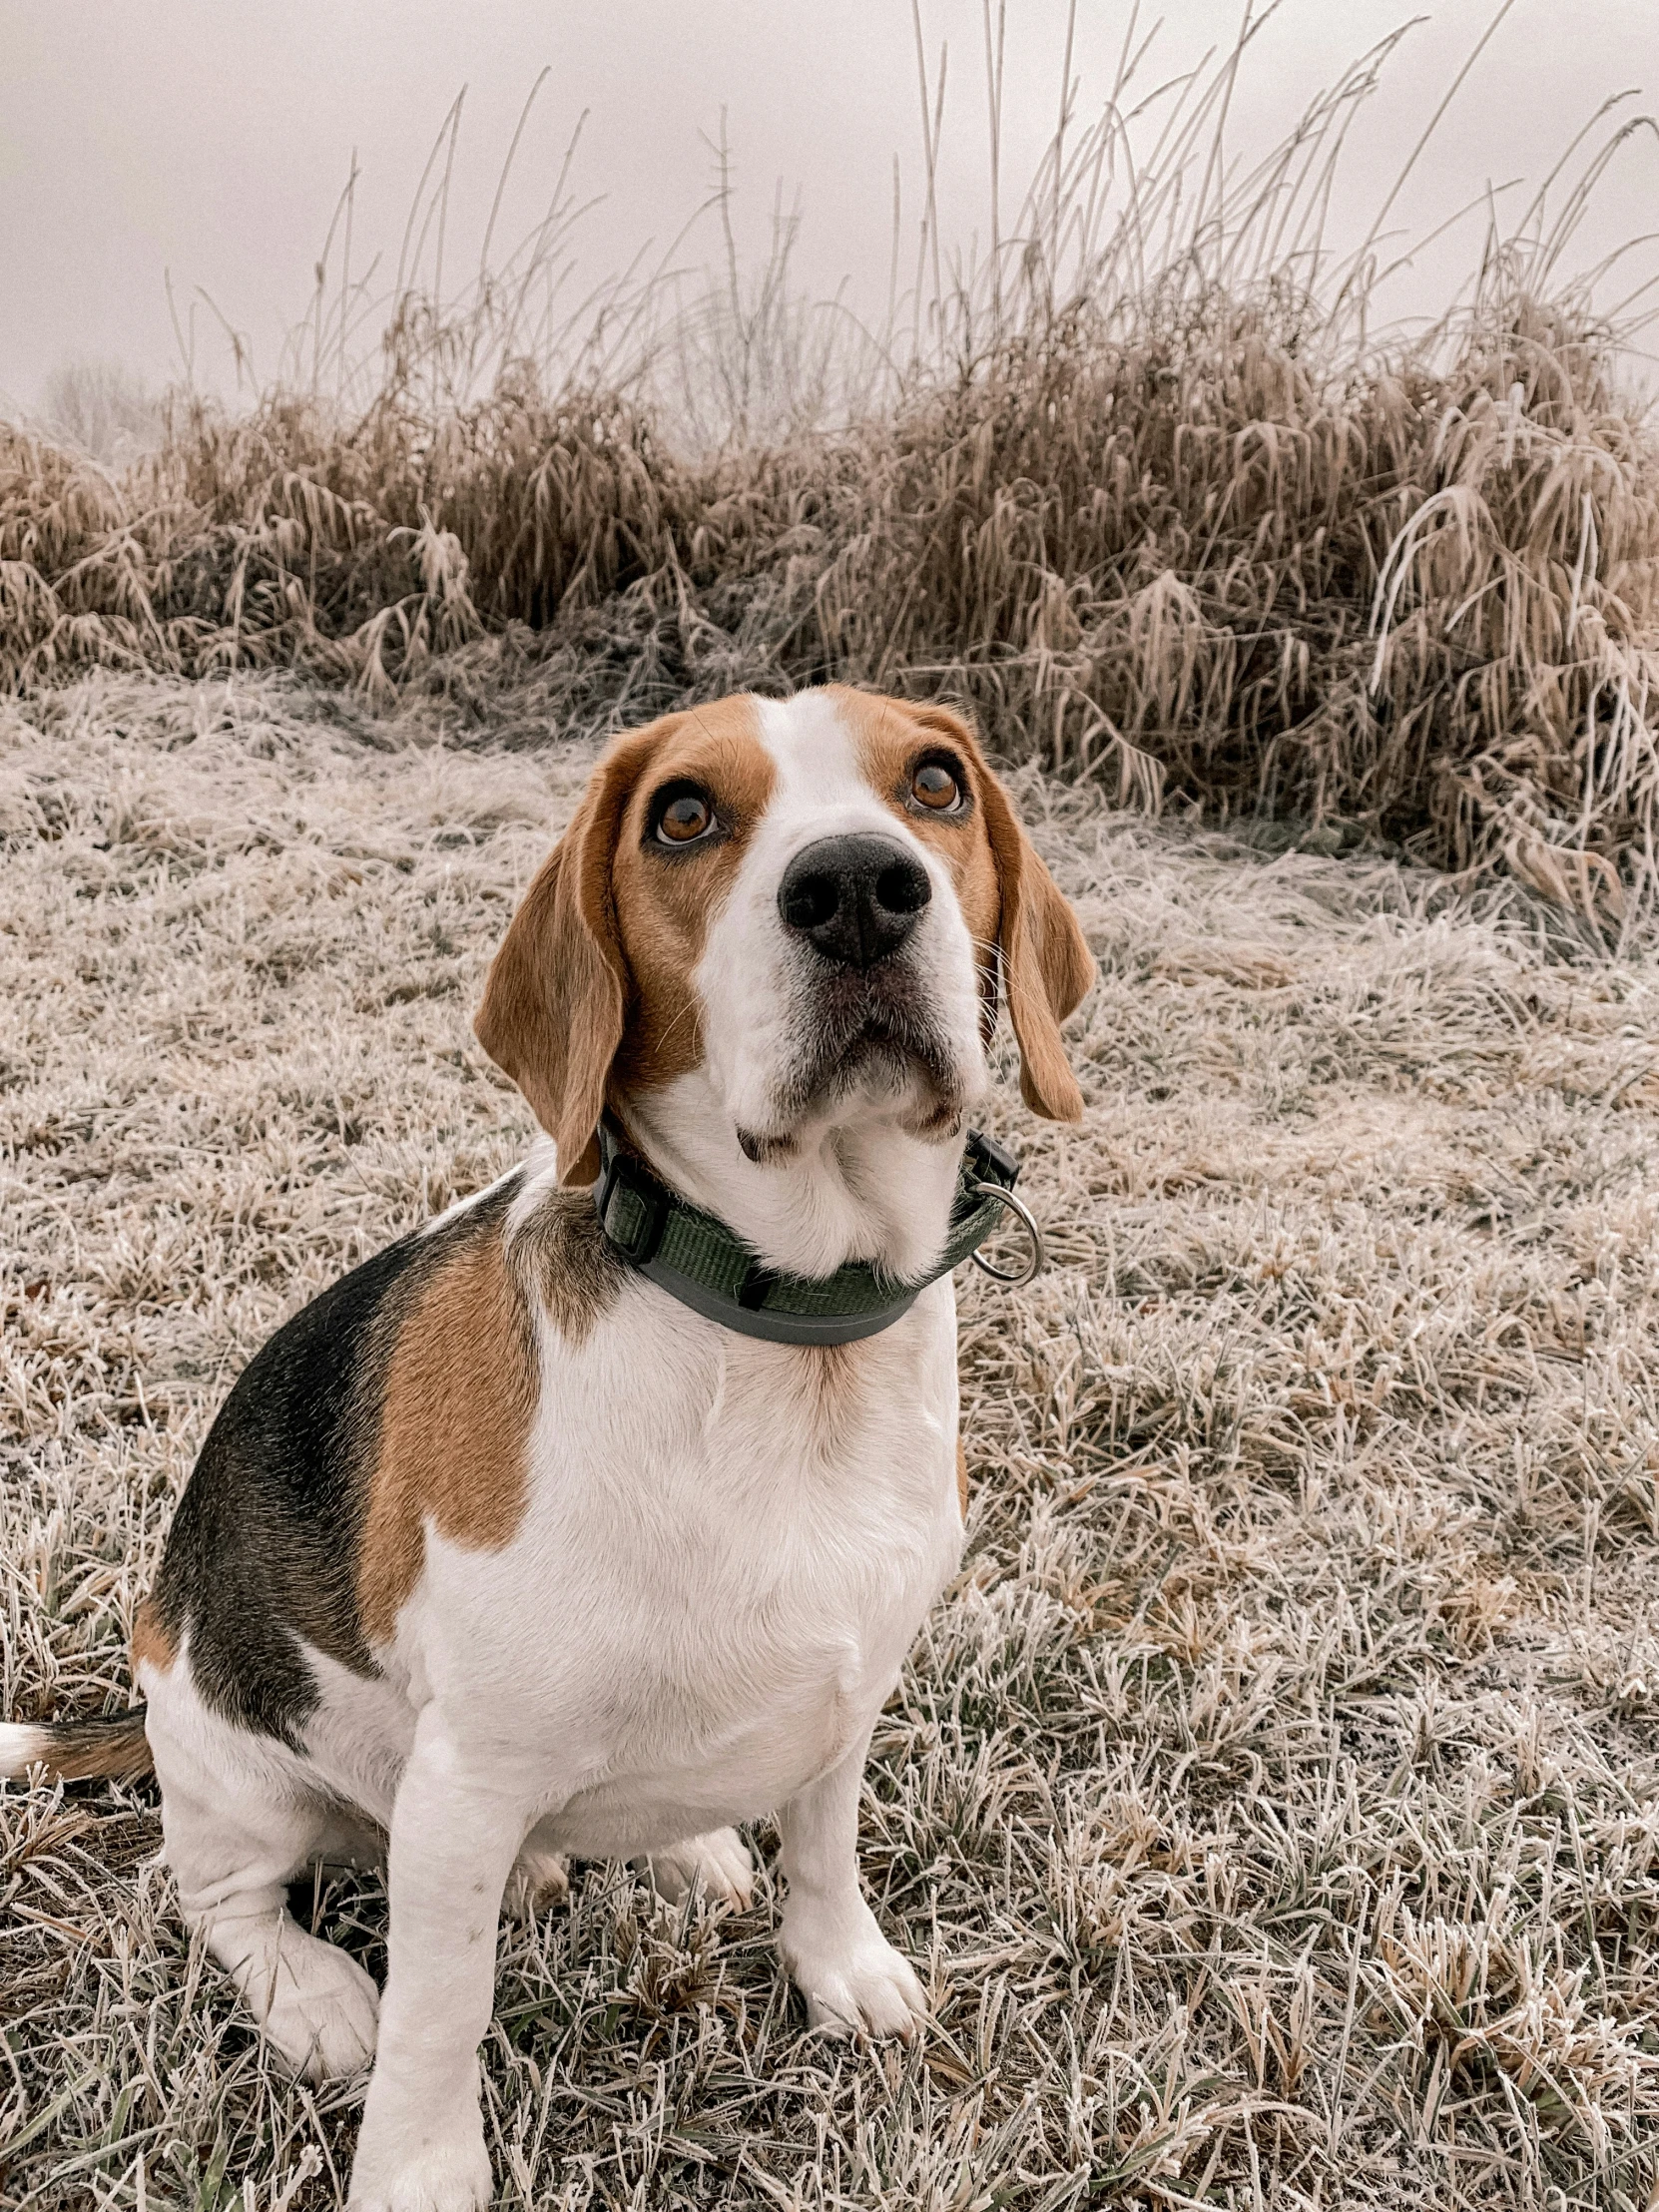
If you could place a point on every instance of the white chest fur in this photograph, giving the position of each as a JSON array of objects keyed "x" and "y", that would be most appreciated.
[{"x": 728, "y": 1550}]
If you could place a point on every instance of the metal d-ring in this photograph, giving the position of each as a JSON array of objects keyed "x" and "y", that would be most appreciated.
[{"x": 1016, "y": 1206}]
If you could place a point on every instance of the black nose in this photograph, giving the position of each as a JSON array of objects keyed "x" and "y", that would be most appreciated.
[{"x": 856, "y": 898}]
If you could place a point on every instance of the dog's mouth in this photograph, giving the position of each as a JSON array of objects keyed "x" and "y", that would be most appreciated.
[{"x": 868, "y": 1032}]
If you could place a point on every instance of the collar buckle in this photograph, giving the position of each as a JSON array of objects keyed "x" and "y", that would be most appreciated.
[
  {"x": 990, "y": 1162},
  {"x": 644, "y": 1213}
]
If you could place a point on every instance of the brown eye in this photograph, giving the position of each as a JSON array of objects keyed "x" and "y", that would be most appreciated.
[
  {"x": 685, "y": 818},
  {"x": 935, "y": 787}
]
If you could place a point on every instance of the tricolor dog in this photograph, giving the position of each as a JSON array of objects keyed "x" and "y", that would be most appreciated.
[{"x": 598, "y": 1515}]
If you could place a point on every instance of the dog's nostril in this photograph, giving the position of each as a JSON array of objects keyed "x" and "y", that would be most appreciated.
[
  {"x": 808, "y": 901},
  {"x": 903, "y": 888}
]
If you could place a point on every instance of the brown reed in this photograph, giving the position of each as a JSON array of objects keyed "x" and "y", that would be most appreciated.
[{"x": 1142, "y": 487}]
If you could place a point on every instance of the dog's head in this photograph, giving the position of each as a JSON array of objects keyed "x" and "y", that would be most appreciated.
[{"x": 811, "y": 901}]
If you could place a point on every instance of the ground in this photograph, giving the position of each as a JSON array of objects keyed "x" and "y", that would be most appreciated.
[{"x": 1271, "y": 1805}]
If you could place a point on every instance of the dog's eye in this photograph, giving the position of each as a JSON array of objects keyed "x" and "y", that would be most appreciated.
[
  {"x": 935, "y": 787},
  {"x": 685, "y": 818}
]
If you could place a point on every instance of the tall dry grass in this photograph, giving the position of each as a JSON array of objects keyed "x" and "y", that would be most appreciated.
[{"x": 1142, "y": 484}]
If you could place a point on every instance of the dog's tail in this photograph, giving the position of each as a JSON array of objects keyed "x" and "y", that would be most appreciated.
[{"x": 78, "y": 1751}]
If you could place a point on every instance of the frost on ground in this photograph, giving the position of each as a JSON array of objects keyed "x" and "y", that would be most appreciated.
[{"x": 1272, "y": 1804}]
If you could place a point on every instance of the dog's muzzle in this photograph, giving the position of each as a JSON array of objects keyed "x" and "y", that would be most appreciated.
[{"x": 863, "y": 1004}]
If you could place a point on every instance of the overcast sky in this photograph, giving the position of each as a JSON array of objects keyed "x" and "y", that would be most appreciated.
[{"x": 210, "y": 137}]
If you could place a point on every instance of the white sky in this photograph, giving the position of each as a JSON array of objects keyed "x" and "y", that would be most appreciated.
[{"x": 210, "y": 137}]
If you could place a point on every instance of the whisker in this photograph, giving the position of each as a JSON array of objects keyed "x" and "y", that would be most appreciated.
[{"x": 690, "y": 1007}]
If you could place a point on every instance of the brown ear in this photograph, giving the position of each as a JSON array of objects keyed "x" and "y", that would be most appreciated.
[
  {"x": 1046, "y": 962},
  {"x": 556, "y": 993}
]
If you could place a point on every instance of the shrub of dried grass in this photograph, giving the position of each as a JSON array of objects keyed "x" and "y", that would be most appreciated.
[{"x": 1141, "y": 486}]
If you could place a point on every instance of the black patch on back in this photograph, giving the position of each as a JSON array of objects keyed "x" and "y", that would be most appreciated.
[{"x": 264, "y": 1548}]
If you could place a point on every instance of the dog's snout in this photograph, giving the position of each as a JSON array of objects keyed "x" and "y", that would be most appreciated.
[{"x": 854, "y": 898}]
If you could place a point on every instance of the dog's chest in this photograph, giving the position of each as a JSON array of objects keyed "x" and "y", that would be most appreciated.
[{"x": 728, "y": 1549}]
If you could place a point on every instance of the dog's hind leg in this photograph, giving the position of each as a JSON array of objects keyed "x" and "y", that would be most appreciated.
[
  {"x": 238, "y": 1822},
  {"x": 717, "y": 1864},
  {"x": 540, "y": 1877},
  {"x": 347, "y": 1843}
]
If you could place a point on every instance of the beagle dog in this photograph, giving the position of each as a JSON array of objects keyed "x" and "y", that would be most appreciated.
[{"x": 509, "y": 1547}]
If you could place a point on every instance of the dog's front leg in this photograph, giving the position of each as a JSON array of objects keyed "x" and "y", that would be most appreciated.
[
  {"x": 455, "y": 1835},
  {"x": 850, "y": 1974}
]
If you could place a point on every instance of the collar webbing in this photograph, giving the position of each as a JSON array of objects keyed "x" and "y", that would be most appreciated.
[{"x": 695, "y": 1258}]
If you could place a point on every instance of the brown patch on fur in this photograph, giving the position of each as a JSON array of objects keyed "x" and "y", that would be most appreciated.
[
  {"x": 891, "y": 735},
  {"x": 961, "y": 1476},
  {"x": 556, "y": 993},
  {"x": 1013, "y": 907},
  {"x": 820, "y": 1391},
  {"x": 460, "y": 1394},
  {"x": 591, "y": 992},
  {"x": 563, "y": 1264},
  {"x": 150, "y": 1642},
  {"x": 664, "y": 901},
  {"x": 830, "y": 1388}
]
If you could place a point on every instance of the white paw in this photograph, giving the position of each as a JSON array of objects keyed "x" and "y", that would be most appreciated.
[
  {"x": 853, "y": 1979},
  {"x": 421, "y": 2168},
  {"x": 321, "y": 2009},
  {"x": 718, "y": 1863},
  {"x": 539, "y": 1879}
]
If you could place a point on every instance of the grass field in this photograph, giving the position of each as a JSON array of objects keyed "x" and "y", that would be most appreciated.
[{"x": 1273, "y": 1803}]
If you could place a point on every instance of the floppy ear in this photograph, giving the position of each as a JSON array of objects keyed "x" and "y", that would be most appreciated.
[
  {"x": 556, "y": 992},
  {"x": 1046, "y": 962}
]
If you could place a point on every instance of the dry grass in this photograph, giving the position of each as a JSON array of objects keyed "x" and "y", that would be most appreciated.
[
  {"x": 1144, "y": 483},
  {"x": 1274, "y": 1802},
  {"x": 1171, "y": 544}
]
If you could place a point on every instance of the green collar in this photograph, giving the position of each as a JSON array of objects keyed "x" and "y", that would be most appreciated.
[{"x": 698, "y": 1259}]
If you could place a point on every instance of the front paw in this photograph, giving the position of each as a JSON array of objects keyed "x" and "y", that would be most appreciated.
[
  {"x": 420, "y": 2167},
  {"x": 853, "y": 1979}
]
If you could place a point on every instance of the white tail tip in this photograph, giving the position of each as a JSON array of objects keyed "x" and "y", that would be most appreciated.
[{"x": 21, "y": 1747}]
